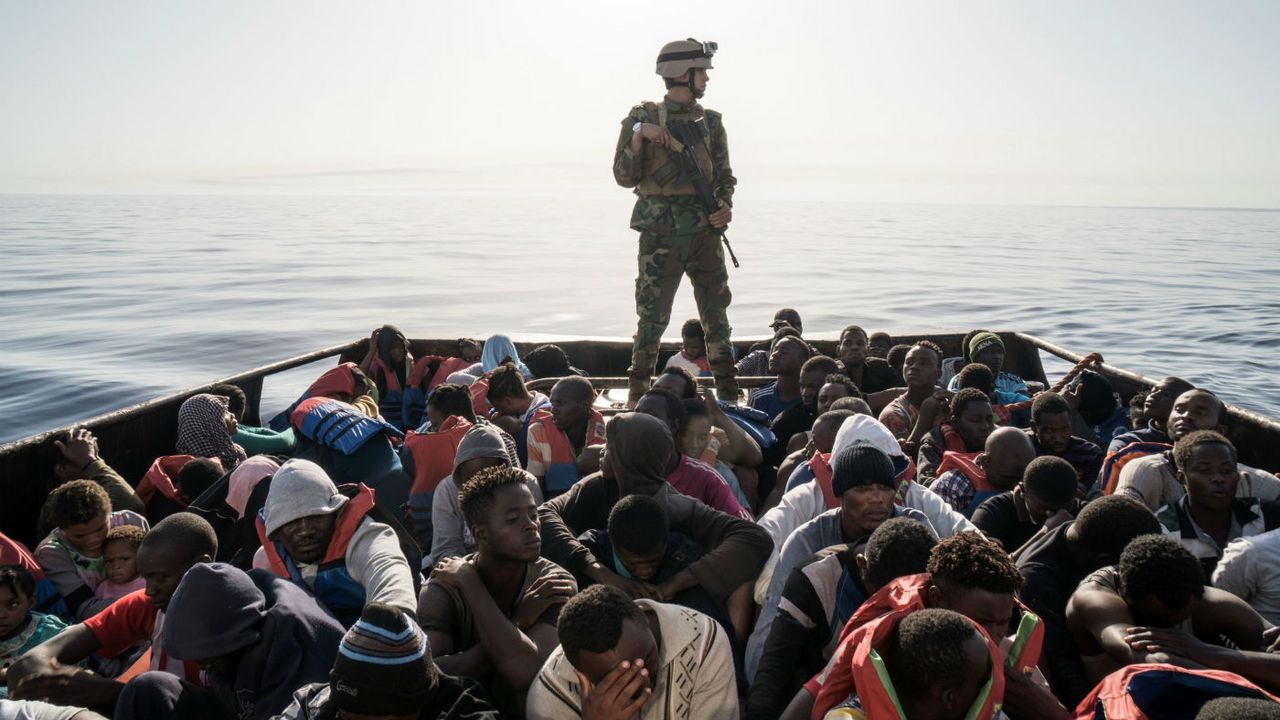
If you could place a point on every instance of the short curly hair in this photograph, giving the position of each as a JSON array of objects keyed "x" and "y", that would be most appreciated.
[
  {"x": 1187, "y": 445},
  {"x": 899, "y": 547},
  {"x": 970, "y": 560},
  {"x": 821, "y": 363},
  {"x": 130, "y": 534},
  {"x": 690, "y": 391},
  {"x": 927, "y": 651},
  {"x": 1048, "y": 403},
  {"x": 846, "y": 381},
  {"x": 978, "y": 376},
  {"x": 1051, "y": 479},
  {"x": 79, "y": 501},
  {"x": 452, "y": 399},
  {"x": 1106, "y": 526},
  {"x": 19, "y": 580},
  {"x": 1239, "y": 708},
  {"x": 937, "y": 350},
  {"x": 592, "y": 620},
  {"x": 1160, "y": 566},
  {"x": 476, "y": 494},
  {"x": 963, "y": 398},
  {"x": 638, "y": 524}
]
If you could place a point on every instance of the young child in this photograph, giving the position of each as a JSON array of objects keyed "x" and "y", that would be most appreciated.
[
  {"x": 693, "y": 349},
  {"x": 71, "y": 556},
  {"x": 119, "y": 553},
  {"x": 20, "y": 628}
]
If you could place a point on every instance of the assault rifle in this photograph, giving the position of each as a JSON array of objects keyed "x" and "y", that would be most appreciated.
[{"x": 685, "y": 134}]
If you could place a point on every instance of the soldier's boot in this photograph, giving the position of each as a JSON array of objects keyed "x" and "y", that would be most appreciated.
[{"x": 726, "y": 375}]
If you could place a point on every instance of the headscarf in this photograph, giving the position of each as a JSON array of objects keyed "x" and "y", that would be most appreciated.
[
  {"x": 638, "y": 450},
  {"x": 497, "y": 349},
  {"x": 245, "y": 478},
  {"x": 203, "y": 433}
]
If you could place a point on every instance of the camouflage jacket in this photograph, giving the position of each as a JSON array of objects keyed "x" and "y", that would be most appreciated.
[{"x": 665, "y": 213}]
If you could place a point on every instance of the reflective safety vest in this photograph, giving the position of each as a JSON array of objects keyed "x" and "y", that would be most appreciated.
[
  {"x": 562, "y": 470},
  {"x": 1109, "y": 478},
  {"x": 967, "y": 464},
  {"x": 333, "y": 586},
  {"x": 1154, "y": 691},
  {"x": 869, "y": 677},
  {"x": 900, "y": 598}
]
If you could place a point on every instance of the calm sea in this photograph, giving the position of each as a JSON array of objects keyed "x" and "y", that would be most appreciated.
[{"x": 110, "y": 300}]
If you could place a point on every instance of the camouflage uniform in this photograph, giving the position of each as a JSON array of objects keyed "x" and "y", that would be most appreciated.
[{"x": 675, "y": 240}]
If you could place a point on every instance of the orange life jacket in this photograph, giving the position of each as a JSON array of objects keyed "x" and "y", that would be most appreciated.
[
  {"x": 967, "y": 464},
  {"x": 820, "y": 466},
  {"x": 870, "y": 676},
  {"x": 1109, "y": 478},
  {"x": 159, "y": 479},
  {"x": 900, "y": 598},
  {"x": 445, "y": 366},
  {"x": 433, "y": 453}
]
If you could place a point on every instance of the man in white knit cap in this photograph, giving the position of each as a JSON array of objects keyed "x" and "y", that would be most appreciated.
[{"x": 328, "y": 543}]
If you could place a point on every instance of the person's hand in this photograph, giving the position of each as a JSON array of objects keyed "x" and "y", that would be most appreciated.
[
  {"x": 1062, "y": 516},
  {"x": 57, "y": 684},
  {"x": 619, "y": 696},
  {"x": 453, "y": 572},
  {"x": 721, "y": 217},
  {"x": 655, "y": 134},
  {"x": 588, "y": 461},
  {"x": 1072, "y": 396},
  {"x": 713, "y": 405},
  {"x": 1271, "y": 636},
  {"x": 677, "y": 583},
  {"x": 546, "y": 592},
  {"x": 80, "y": 449},
  {"x": 1024, "y": 698},
  {"x": 936, "y": 406},
  {"x": 1171, "y": 642},
  {"x": 633, "y": 588}
]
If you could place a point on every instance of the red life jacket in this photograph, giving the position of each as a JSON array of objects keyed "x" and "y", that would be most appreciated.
[
  {"x": 1109, "y": 478},
  {"x": 820, "y": 466},
  {"x": 333, "y": 585},
  {"x": 869, "y": 675},
  {"x": 479, "y": 397},
  {"x": 900, "y": 598},
  {"x": 1151, "y": 691},
  {"x": 159, "y": 479},
  {"x": 433, "y": 453},
  {"x": 340, "y": 379},
  {"x": 967, "y": 464},
  {"x": 951, "y": 439},
  {"x": 388, "y": 375},
  {"x": 444, "y": 367}
]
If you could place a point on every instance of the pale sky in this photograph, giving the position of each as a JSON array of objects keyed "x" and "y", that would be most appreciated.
[{"x": 1162, "y": 102}]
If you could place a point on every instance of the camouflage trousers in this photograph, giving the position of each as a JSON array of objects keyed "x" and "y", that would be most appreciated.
[{"x": 663, "y": 259}]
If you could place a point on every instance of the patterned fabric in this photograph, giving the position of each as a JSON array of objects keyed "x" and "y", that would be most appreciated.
[
  {"x": 369, "y": 643},
  {"x": 956, "y": 488},
  {"x": 201, "y": 430},
  {"x": 38, "y": 629},
  {"x": 900, "y": 416}
]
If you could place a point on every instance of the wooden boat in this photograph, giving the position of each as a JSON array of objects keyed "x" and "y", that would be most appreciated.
[{"x": 130, "y": 438}]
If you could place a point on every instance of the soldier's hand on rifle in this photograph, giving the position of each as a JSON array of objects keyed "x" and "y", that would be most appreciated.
[
  {"x": 655, "y": 134},
  {"x": 722, "y": 217}
]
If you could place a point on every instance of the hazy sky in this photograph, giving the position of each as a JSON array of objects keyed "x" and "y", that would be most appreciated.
[{"x": 1149, "y": 103}]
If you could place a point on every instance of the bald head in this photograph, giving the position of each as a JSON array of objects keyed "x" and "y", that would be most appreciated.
[
  {"x": 1194, "y": 410},
  {"x": 1006, "y": 455}
]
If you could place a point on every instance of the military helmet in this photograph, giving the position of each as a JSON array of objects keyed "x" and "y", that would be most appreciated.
[{"x": 679, "y": 57}]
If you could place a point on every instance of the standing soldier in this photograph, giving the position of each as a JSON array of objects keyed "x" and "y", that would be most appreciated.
[{"x": 677, "y": 235}]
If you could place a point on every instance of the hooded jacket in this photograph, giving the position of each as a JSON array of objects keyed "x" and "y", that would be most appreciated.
[{"x": 279, "y": 635}]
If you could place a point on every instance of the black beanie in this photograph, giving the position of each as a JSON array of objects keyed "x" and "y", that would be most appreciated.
[
  {"x": 861, "y": 464},
  {"x": 384, "y": 665}
]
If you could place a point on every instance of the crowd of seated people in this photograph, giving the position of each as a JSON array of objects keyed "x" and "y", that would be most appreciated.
[{"x": 886, "y": 533}]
